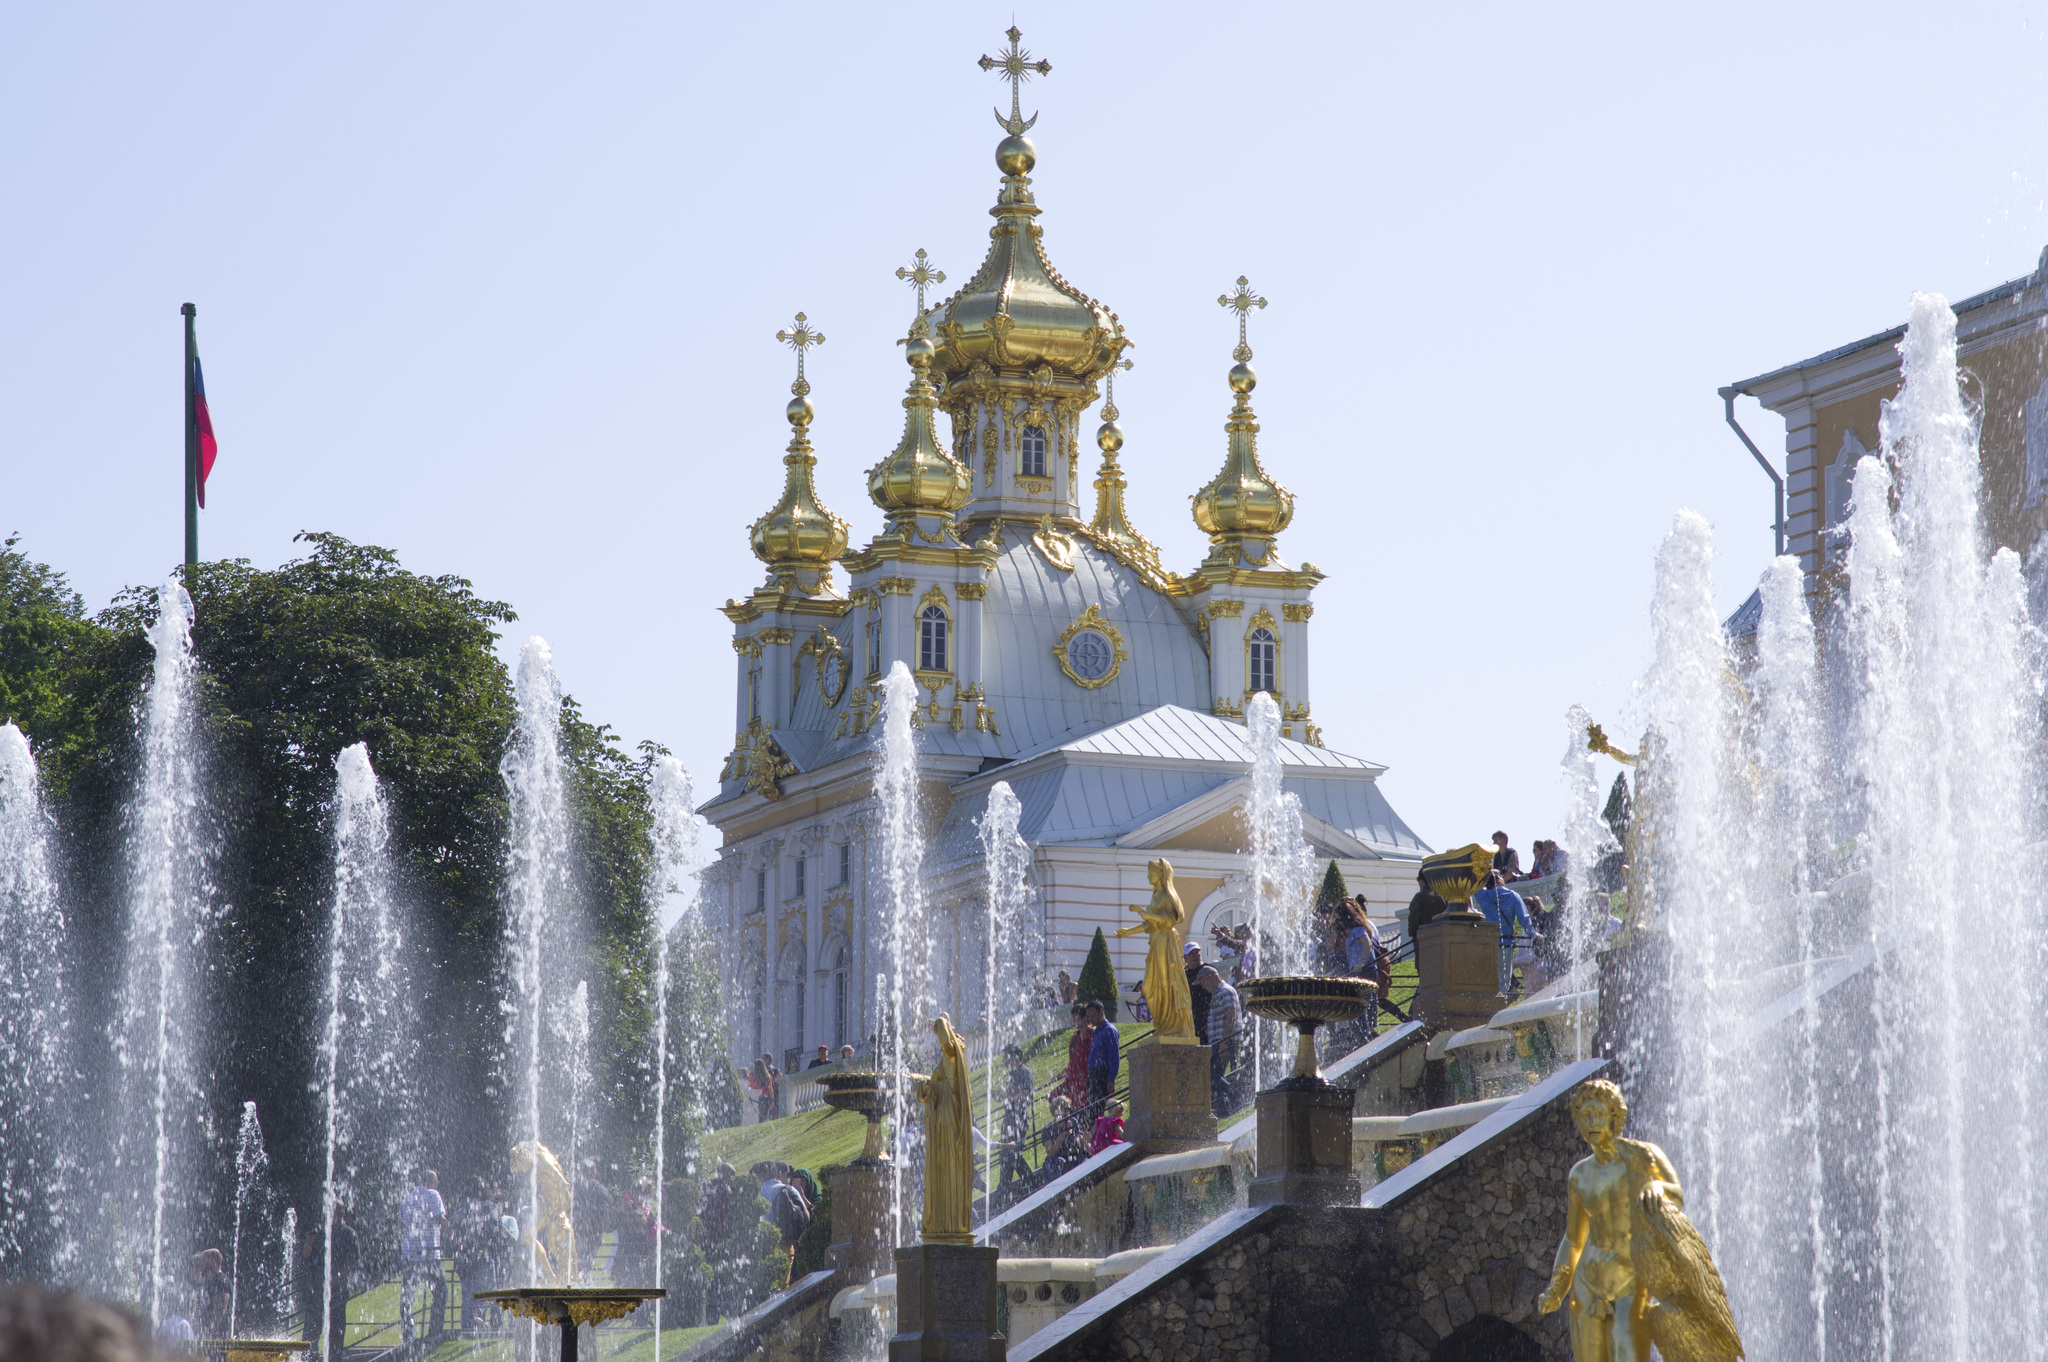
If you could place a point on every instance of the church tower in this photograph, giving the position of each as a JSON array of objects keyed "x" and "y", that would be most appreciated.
[{"x": 1253, "y": 607}]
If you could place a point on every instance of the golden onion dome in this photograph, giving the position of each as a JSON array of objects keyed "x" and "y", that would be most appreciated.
[
  {"x": 1242, "y": 500},
  {"x": 799, "y": 538},
  {"x": 798, "y": 531},
  {"x": 1017, "y": 312},
  {"x": 919, "y": 478}
]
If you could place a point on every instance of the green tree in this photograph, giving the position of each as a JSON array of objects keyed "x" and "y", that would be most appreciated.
[
  {"x": 339, "y": 646},
  {"x": 1332, "y": 892},
  {"x": 1098, "y": 976}
]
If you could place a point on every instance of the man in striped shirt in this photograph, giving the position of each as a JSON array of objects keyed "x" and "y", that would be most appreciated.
[{"x": 1226, "y": 1018}]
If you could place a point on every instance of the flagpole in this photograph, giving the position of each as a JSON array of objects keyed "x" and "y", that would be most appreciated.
[{"x": 191, "y": 457}]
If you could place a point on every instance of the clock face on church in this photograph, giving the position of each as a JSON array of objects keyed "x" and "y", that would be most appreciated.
[
  {"x": 1091, "y": 651},
  {"x": 1090, "y": 655}
]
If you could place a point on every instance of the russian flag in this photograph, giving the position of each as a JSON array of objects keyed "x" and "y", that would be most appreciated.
[{"x": 203, "y": 419}]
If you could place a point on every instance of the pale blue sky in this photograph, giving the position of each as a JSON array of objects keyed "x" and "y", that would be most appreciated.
[{"x": 497, "y": 285}]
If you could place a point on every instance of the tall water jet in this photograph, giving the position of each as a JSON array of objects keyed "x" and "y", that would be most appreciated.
[
  {"x": 367, "y": 1059},
  {"x": 909, "y": 996},
  {"x": 571, "y": 1025},
  {"x": 1857, "y": 969},
  {"x": 538, "y": 892},
  {"x": 34, "y": 1174},
  {"x": 163, "y": 1121},
  {"x": 252, "y": 1169},
  {"x": 1281, "y": 867},
  {"x": 1587, "y": 841},
  {"x": 675, "y": 869},
  {"x": 1015, "y": 946}
]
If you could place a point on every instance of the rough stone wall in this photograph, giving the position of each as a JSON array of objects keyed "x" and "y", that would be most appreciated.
[
  {"x": 1479, "y": 1241},
  {"x": 1213, "y": 1311}
]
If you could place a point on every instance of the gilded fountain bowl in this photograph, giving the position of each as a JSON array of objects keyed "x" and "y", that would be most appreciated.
[
  {"x": 868, "y": 1093},
  {"x": 1306, "y": 1000}
]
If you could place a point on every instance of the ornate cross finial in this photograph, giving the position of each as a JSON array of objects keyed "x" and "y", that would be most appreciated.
[
  {"x": 1243, "y": 300},
  {"x": 921, "y": 276},
  {"x": 800, "y": 338},
  {"x": 1109, "y": 411},
  {"x": 1017, "y": 68}
]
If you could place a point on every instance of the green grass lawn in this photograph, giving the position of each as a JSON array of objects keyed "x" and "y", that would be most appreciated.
[{"x": 821, "y": 1138}]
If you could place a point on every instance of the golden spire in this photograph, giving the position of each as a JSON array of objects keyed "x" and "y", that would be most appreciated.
[
  {"x": 1111, "y": 527},
  {"x": 919, "y": 478},
  {"x": 799, "y": 538},
  {"x": 1017, "y": 68},
  {"x": 921, "y": 276},
  {"x": 1242, "y": 509}
]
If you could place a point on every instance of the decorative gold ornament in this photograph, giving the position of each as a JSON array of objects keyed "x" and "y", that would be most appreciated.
[
  {"x": 550, "y": 1244},
  {"x": 921, "y": 276},
  {"x": 1297, "y": 612},
  {"x": 1455, "y": 875},
  {"x": 1017, "y": 68},
  {"x": 1055, "y": 547},
  {"x": 758, "y": 760},
  {"x": 1242, "y": 509},
  {"x": 1166, "y": 978},
  {"x": 799, "y": 538},
  {"x": 1632, "y": 1266},
  {"x": 834, "y": 667},
  {"x": 1100, "y": 654}
]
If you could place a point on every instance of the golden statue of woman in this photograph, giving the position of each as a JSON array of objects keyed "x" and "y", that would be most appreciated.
[
  {"x": 948, "y": 1142},
  {"x": 1632, "y": 1266},
  {"x": 1166, "y": 981}
]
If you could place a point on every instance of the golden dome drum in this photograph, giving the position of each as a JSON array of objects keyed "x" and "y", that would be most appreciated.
[{"x": 919, "y": 478}]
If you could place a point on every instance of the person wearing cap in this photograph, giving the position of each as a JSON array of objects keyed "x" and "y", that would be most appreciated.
[
  {"x": 1191, "y": 957},
  {"x": 821, "y": 1059}
]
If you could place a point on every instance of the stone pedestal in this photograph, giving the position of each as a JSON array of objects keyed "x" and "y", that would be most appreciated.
[
  {"x": 860, "y": 1222},
  {"x": 1305, "y": 1147},
  {"x": 946, "y": 1302},
  {"x": 1457, "y": 971},
  {"x": 1170, "y": 1111}
]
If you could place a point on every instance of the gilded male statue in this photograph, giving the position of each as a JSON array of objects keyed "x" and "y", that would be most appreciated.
[
  {"x": 947, "y": 1098},
  {"x": 1632, "y": 1266},
  {"x": 1166, "y": 979},
  {"x": 550, "y": 1240}
]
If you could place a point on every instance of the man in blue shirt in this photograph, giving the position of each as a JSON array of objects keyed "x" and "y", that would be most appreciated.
[
  {"x": 1504, "y": 906},
  {"x": 1103, "y": 1058}
]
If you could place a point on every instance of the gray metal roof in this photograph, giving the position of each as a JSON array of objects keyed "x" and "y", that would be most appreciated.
[{"x": 1169, "y": 732}]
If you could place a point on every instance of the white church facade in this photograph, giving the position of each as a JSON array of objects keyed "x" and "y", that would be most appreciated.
[{"x": 1052, "y": 651}]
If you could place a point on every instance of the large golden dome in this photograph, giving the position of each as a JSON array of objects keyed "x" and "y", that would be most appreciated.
[{"x": 1017, "y": 313}]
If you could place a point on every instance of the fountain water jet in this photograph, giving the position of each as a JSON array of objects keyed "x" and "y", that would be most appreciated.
[
  {"x": 35, "y": 1176},
  {"x": 169, "y": 911},
  {"x": 909, "y": 983},
  {"x": 1281, "y": 867},
  {"x": 538, "y": 887},
  {"x": 675, "y": 866},
  {"x": 1862, "y": 1153},
  {"x": 252, "y": 1166},
  {"x": 1015, "y": 946},
  {"x": 366, "y": 1050}
]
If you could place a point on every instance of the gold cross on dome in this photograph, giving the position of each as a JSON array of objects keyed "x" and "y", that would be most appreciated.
[
  {"x": 921, "y": 276},
  {"x": 800, "y": 338},
  {"x": 1242, "y": 300},
  {"x": 1017, "y": 68},
  {"x": 1109, "y": 411}
]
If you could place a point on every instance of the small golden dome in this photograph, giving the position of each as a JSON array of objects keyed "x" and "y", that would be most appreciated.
[
  {"x": 799, "y": 531},
  {"x": 1241, "y": 500},
  {"x": 799, "y": 538},
  {"x": 919, "y": 478},
  {"x": 1109, "y": 437},
  {"x": 1016, "y": 155}
]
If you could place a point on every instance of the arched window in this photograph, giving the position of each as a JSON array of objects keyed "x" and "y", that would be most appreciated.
[
  {"x": 842, "y": 978},
  {"x": 1265, "y": 659},
  {"x": 874, "y": 643},
  {"x": 790, "y": 988},
  {"x": 931, "y": 639},
  {"x": 1032, "y": 465}
]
